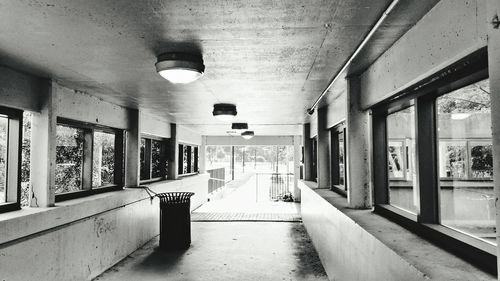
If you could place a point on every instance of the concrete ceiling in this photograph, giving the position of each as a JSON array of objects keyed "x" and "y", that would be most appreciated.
[{"x": 271, "y": 58}]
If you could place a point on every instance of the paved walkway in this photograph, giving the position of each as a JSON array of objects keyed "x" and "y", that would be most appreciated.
[
  {"x": 227, "y": 251},
  {"x": 245, "y": 203}
]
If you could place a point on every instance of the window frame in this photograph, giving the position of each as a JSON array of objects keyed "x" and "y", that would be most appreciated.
[
  {"x": 335, "y": 131},
  {"x": 192, "y": 168},
  {"x": 148, "y": 156},
  {"x": 87, "y": 188},
  {"x": 14, "y": 159},
  {"x": 426, "y": 222}
]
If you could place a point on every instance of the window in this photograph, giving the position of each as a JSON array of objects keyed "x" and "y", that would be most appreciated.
[
  {"x": 338, "y": 152},
  {"x": 401, "y": 156},
  {"x": 188, "y": 159},
  {"x": 10, "y": 158},
  {"x": 466, "y": 161},
  {"x": 433, "y": 160},
  {"x": 154, "y": 163},
  {"x": 88, "y": 159}
]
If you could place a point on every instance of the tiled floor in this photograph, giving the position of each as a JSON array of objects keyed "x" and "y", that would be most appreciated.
[
  {"x": 284, "y": 217},
  {"x": 227, "y": 251}
]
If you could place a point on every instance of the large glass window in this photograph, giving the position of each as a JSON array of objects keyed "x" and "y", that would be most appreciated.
[
  {"x": 403, "y": 191},
  {"x": 10, "y": 158},
  {"x": 154, "y": 163},
  {"x": 88, "y": 159},
  {"x": 338, "y": 171},
  {"x": 104, "y": 159},
  {"x": 188, "y": 159},
  {"x": 69, "y": 159},
  {"x": 466, "y": 161},
  {"x": 4, "y": 127}
]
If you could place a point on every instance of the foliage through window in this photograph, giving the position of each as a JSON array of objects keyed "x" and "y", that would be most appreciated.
[
  {"x": 154, "y": 163},
  {"x": 188, "y": 159},
  {"x": 88, "y": 159}
]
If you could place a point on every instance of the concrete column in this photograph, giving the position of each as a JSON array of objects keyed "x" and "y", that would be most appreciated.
[
  {"x": 133, "y": 150},
  {"x": 493, "y": 10},
  {"x": 43, "y": 150},
  {"x": 358, "y": 149},
  {"x": 323, "y": 150},
  {"x": 201, "y": 153},
  {"x": 173, "y": 153},
  {"x": 306, "y": 143},
  {"x": 296, "y": 167}
]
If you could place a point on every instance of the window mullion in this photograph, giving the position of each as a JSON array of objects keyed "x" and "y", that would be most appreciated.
[
  {"x": 88, "y": 152},
  {"x": 426, "y": 146},
  {"x": 381, "y": 183}
]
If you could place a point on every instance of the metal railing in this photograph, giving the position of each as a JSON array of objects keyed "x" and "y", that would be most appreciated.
[
  {"x": 217, "y": 179},
  {"x": 274, "y": 186}
]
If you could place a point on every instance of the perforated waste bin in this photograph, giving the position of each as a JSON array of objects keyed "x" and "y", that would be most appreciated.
[{"x": 175, "y": 220}]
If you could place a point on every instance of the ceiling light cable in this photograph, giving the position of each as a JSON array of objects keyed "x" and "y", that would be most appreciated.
[{"x": 387, "y": 11}]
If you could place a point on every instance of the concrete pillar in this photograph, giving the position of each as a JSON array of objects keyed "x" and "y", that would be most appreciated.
[
  {"x": 43, "y": 150},
  {"x": 323, "y": 150},
  {"x": 493, "y": 10},
  {"x": 296, "y": 167},
  {"x": 358, "y": 149},
  {"x": 201, "y": 155},
  {"x": 306, "y": 143},
  {"x": 133, "y": 150},
  {"x": 173, "y": 153}
]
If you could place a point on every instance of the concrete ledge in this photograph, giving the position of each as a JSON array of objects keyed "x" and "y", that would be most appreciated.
[
  {"x": 79, "y": 239},
  {"x": 27, "y": 221},
  {"x": 360, "y": 245}
]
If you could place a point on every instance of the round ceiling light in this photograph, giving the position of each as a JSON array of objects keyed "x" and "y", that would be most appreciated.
[
  {"x": 180, "y": 68},
  {"x": 224, "y": 111},
  {"x": 247, "y": 135}
]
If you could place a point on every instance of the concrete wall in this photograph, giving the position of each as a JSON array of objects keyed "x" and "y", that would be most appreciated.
[
  {"x": 22, "y": 91},
  {"x": 450, "y": 31},
  {"x": 153, "y": 126},
  {"x": 186, "y": 135},
  {"x": 347, "y": 251},
  {"x": 79, "y": 239}
]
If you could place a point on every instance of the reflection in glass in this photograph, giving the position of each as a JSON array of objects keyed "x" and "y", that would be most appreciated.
[
  {"x": 466, "y": 161},
  {"x": 69, "y": 159},
  {"x": 341, "y": 159},
  {"x": 4, "y": 121},
  {"x": 103, "y": 159},
  {"x": 403, "y": 191}
]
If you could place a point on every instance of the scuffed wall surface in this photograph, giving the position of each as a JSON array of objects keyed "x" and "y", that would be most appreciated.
[
  {"x": 21, "y": 90},
  {"x": 93, "y": 239}
]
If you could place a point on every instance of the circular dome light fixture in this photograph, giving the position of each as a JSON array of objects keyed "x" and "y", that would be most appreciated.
[
  {"x": 224, "y": 111},
  {"x": 180, "y": 68},
  {"x": 247, "y": 135}
]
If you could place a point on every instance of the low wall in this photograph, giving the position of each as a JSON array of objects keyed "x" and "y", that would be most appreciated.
[
  {"x": 79, "y": 239},
  {"x": 347, "y": 251},
  {"x": 361, "y": 245}
]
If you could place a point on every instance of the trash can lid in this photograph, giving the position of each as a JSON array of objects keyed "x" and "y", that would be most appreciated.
[{"x": 175, "y": 197}]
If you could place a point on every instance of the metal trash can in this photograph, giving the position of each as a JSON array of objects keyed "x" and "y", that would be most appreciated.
[{"x": 175, "y": 220}]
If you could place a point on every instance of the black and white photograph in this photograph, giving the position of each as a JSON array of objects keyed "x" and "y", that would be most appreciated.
[{"x": 249, "y": 140}]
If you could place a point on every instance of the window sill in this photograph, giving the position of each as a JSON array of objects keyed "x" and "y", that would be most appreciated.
[
  {"x": 149, "y": 181},
  {"x": 419, "y": 252},
  {"x": 84, "y": 193},
  {"x": 340, "y": 190},
  {"x": 188, "y": 175}
]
